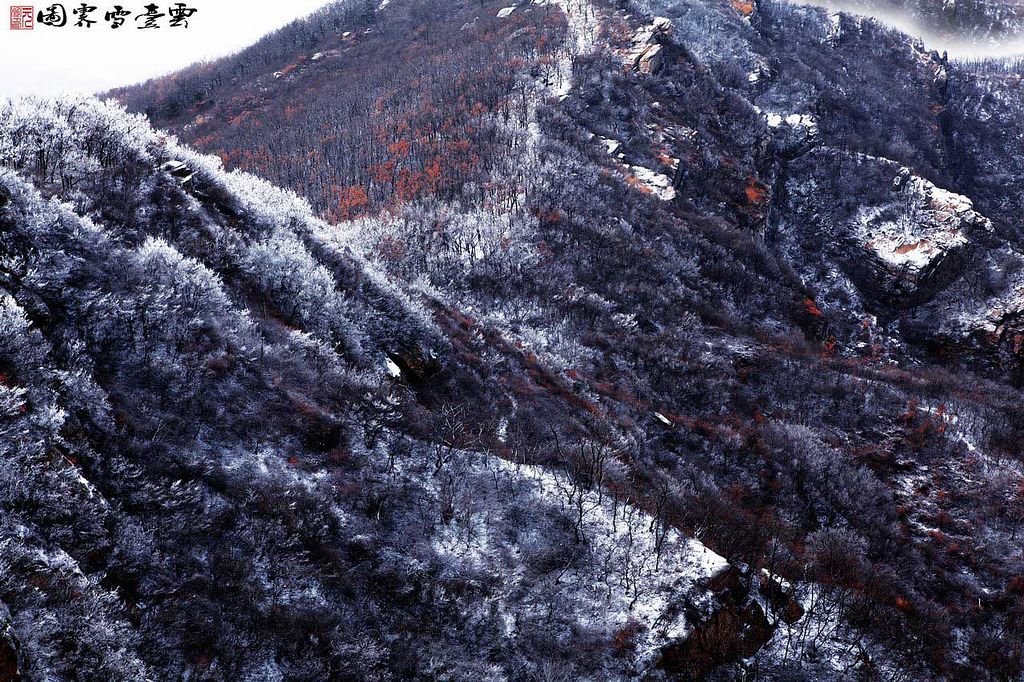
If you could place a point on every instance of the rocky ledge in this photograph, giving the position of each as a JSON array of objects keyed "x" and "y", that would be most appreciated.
[{"x": 903, "y": 241}]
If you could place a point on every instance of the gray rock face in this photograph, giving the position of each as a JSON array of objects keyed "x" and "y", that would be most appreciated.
[
  {"x": 902, "y": 241},
  {"x": 980, "y": 316},
  {"x": 646, "y": 53}
]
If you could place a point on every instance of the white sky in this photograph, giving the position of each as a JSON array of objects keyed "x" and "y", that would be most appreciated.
[{"x": 50, "y": 60}]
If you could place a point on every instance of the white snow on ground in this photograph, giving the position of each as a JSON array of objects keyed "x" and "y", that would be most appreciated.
[
  {"x": 90, "y": 489},
  {"x": 505, "y": 11},
  {"x": 805, "y": 121},
  {"x": 659, "y": 184},
  {"x": 835, "y": 31},
  {"x": 581, "y": 36},
  {"x": 622, "y": 581},
  {"x": 583, "y": 28},
  {"x": 907, "y": 247},
  {"x": 611, "y": 146},
  {"x": 944, "y": 199},
  {"x": 820, "y": 636},
  {"x": 913, "y": 240}
]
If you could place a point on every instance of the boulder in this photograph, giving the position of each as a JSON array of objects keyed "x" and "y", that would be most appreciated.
[
  {"x": 897, "y": 237},
  {"x": 649, "y": 61},
  {"x": 662, "y": 25},
  {"x": 178, "y": 170},
  {"x": 915, "y": 245},
  {"x": 780, "y": 597},
  {"x": 646, "y": 51}
]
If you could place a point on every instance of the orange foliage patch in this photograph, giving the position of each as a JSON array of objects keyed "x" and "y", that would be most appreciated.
[
  {"x": 635, "y": 182},
  {"x": 399, "y": 149},
  {"x": 904, "y": 605},
  {"x": 755, "y": 191},
  {"x": 352, "y": 202},
  {"x": 830, "y": 345},
  {"x": 382, "y": 172},
  {"x": 744, "y": 7}
]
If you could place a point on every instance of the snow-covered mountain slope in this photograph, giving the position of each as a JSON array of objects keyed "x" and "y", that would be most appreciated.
[
  {"x": 208, "y": 449},
  {"x": 675, "y": 339}
]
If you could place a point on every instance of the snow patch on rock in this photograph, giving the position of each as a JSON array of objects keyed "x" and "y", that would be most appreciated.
[{"x": 659, "y": 184}]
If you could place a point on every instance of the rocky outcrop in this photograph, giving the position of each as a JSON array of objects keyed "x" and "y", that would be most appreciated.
[
  {"x": 898, "y": 238},
  {"x": 979, "y": 319},
  {"x": 646, "y": 53},
  {"x": 736, "y": 627},
  {"x": 179, "y": 171},
  {"x": 416, "y": 364},
  {"x": 915, "y": 244}
]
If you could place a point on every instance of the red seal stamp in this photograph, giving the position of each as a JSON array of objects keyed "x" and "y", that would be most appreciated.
[{"x": 22, "y": 18}]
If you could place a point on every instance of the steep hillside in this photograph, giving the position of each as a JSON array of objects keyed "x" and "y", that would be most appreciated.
[
  {"x": 367, "y": 110},
  {"x": 212, "y": 466},
  {"x": 673, "y": 339}
]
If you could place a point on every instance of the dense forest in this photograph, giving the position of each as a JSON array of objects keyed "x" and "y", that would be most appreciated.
[{"x": 567, "y": 340}]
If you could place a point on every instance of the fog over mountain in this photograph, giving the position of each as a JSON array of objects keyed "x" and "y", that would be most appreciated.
[{"x": 966, "y": 30}]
